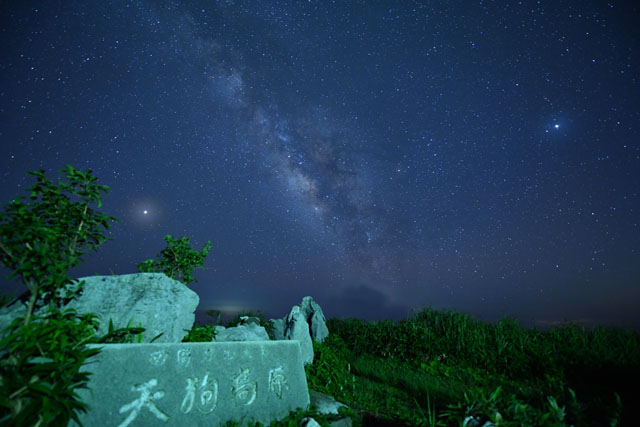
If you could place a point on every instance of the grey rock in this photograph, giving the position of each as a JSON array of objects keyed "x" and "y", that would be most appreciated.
[
  {"x": 297, "y": 328},
  {"x": 325, "y": 405},
  {"x": 246, "y": 319},
  {"x": 309, "y": 422},
  {"x": 245, "y": 332},
  {"x": 292, "y": 327},
  {"x": 304, "y": 323},
  {"x": 315, "y": 318},
  {"x": 248, "y": 329},
  {"x": 159, "y": 303},
  {"x": 278, "y": 328}
]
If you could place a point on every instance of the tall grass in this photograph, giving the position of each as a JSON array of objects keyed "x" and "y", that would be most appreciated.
[
  {"x": 463, "y": 369},
  {"x": 443, "y": 368}
]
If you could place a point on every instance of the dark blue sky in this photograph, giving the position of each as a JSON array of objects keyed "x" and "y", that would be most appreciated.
[{"x": 378, "y": 156}]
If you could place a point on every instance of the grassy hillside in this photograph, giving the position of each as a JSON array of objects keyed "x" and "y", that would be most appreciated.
[{"x": 447, "y": 369}]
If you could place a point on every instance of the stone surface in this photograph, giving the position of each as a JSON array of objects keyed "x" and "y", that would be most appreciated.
[
  {"x": 297, "y": 328},
  {"x": 325, "y": 405},
  {"x": 159, "y": 303},
  {"x": 246, "y": 332},
  {"x": 313, "y": 315},
  {"x": 309, "y": 422},
  {"x": 246, "y": 319},
  {"x": 304, "y": 322},
  {"x": 278, "y": 328},
  {"x": 315, "y": 318},
  {"x": 307, "y": 317},
  {"x": 190, "y": 384}
]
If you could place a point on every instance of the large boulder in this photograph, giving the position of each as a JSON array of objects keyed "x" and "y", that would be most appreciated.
[
  {"x": 297, "y": 328},
  {"x": 244, "y": 332},
  {"x": 278, "y": 328},
  {"x": 315, "y": 318},
  {"x": 159, "y": 303},
  {"x": 304, "y": 322},
  {"x": 248, "y": 329}
]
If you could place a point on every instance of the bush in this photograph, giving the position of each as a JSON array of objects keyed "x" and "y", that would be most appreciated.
[
  {"x": 330, "y": 371},
  {"x": 40, "y": 242}
]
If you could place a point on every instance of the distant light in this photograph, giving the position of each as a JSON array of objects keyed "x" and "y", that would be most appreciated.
[
  {"x": 557, "y": 126},
  {"x": 145, "y": 212}
]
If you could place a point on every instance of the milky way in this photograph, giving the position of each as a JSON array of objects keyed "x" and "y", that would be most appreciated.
[{"x": 379, "y": 157}]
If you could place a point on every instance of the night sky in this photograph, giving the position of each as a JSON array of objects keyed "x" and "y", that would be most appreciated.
[{"x": 475, "y": 156}]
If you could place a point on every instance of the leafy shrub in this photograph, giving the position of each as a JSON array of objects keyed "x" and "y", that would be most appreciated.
[
  {"x": 41, "y": 370},
  {"x": 40, "y": 242},
  {"x": 200, "y": 333},
  {"x": 330, "y": 371},
  {"x": 177, "y": 260}
]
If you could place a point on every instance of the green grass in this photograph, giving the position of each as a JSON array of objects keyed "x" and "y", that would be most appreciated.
[{"x": 440, "y": 368}]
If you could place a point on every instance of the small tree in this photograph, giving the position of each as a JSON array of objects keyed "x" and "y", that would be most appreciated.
[
  {"x": 177, "y": 260},
  {"x": 41, "y": 241}
]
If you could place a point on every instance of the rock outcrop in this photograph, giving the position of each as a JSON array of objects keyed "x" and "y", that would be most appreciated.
[
  {"x": 159, "y": 303},
  {"x": 246, "y": 332},
  {"x": 304, "y": 322}
]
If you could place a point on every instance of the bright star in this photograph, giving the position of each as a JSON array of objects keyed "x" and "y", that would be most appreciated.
[
  {"x": 556, "y": 126},
  {"x": 145, "y": 212}
]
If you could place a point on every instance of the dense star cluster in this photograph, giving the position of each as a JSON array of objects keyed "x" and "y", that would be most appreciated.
[{"x": 379, "y": 156}]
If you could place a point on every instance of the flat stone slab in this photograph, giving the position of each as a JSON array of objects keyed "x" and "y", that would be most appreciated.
[{"x": 193, "y": 384}]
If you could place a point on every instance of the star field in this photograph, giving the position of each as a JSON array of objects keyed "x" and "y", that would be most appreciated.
[{"x": 380, "y": 157}]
